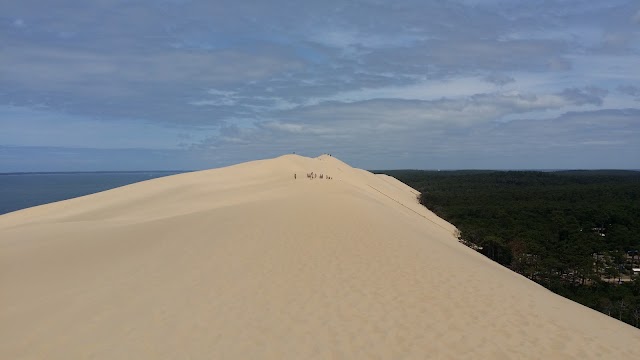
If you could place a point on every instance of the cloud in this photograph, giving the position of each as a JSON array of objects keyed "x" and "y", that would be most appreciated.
[
  {"x": 52, "y": 158},
  {"x": 499, "y": 79},
  {"x": 439, "y": 57},
  {"x": 18, "y": 23},
  {"x": 417, "y": 90},
  {"x": 558, "y": 64},
  {"x": 629, "y": 90},
  {"x": 576, "y": 129},
  {"x": 370, "y": 117},
  {"x": 46, "y": 127},
  {"x": 59, "y": 69},
  {"x": 214, "y": 102},
  {"x": 588, "y": 95},
  {"x": 220, "y": 98},
  {"x": 345, "y": 39},
  {"x": 607, "y": 138},
  {"x": 131, "y": 85},
  {"x": 616, "y": 42}
]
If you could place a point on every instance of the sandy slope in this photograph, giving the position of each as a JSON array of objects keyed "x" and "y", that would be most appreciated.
[{"x": 245, "y": 262}]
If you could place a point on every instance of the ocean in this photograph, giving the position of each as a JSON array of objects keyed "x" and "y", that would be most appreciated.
[{"x": 24, "y": 190}]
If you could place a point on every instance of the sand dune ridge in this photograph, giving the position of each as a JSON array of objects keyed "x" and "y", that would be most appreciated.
[{"x": 248, "y": 262}]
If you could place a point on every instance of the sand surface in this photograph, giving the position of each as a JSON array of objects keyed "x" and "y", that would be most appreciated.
[{"x": 246, "y": 262}]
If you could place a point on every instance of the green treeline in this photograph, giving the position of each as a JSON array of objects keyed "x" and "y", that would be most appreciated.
[{"x": 575, "y": 232}]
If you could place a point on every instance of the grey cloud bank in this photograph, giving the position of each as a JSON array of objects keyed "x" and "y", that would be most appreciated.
[{"x": 121, "y": 85}]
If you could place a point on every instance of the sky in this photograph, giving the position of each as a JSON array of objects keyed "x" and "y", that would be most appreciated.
[{"x": 180, "y": 84}]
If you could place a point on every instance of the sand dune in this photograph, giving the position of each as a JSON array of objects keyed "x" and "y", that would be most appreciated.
[{"x": 246, "y": 262}]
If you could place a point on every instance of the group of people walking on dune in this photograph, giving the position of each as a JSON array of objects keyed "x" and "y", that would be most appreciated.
[{"x": 313, "y": 175}]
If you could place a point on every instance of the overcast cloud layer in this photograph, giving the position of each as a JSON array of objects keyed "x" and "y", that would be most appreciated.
[{"x": 179, "y": 84}]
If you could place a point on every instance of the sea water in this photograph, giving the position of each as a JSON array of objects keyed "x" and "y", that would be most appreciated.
[{"x": 24, "y": 190}]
